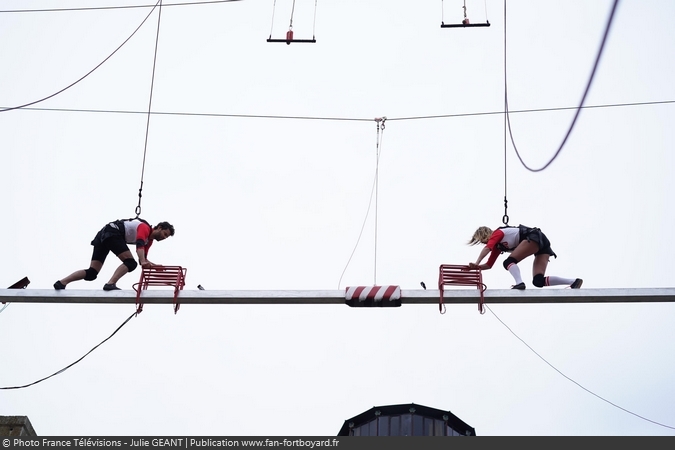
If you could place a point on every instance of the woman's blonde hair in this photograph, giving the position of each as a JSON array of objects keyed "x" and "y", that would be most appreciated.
[{"x": 480, "y": 236}]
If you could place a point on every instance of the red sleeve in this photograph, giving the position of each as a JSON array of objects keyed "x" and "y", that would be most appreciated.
[
  {"x": 147, "y": 248},
  {"x": 495, "y": 239},
  {"x": 143, "y": 236},
  {"x": 494, "y": 254}
]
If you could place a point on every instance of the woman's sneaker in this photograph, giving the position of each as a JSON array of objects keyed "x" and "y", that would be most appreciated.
[
  {"x": 58, "y": 285},
  {"x": 577, "y": 283},
  {"x": 519, "y": 286},
  {"x": 111, "y": 287}
]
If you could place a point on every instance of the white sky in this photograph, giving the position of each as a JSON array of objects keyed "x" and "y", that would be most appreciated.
[{"x": 278, "y": 204}]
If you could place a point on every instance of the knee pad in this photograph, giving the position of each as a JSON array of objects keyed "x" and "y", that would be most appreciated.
[
  {"x": 539, "y": 280},
  {"x": 90, "y": 274},
  {"x": 508, "y": 261},
  {"x": 130, "y": 263}
]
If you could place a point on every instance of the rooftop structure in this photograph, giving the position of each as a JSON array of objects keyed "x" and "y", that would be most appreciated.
[{"x": 405, "y": 420}]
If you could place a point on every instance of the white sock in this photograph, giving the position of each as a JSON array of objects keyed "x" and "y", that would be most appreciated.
[
  {"x": 514, "y": 270},
  {"x": 557, "y": 281}
]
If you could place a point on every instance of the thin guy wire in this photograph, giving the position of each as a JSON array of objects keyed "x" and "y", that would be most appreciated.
[
  {"x": 292, "y": 13},
  {"x": 378, "y": 145},
  {"x": 583, "y": 98},
  {"x": 506, "y": 112},
  {"x": 274, "y": 7},
  {"x": 363, "y": 225},
  {"x": 349, "y": 119},
  {"x": 96, "y": 8},
  {"x": 314, "y": 22},
  {"x": 87, "y": 74},
  {"x": 147, "y": 126},
  {"x": 568, "y": 378}
]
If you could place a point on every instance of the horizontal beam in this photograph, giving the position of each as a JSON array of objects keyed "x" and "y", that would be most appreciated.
[
  {"x": 464, "y": 25},
  {"x": 252, "y": 297},
  {"x": 293, "y": 41}
]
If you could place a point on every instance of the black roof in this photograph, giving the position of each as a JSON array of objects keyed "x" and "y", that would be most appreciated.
[{"x": 392, "y": 410}]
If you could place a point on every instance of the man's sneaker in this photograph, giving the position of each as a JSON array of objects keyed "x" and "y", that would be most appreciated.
[
  {"x": 577, "y": 283},
  {"x": 111, "y": 287},
  {"x": 519, "y": 286},
  {"x": 58, "y": 285}
]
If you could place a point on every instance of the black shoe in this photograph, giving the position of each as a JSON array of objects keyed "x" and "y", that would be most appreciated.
[
  {"x": 519, "y": 286},
  {"x": 58, "y": 285},
  {"x": 111, "y": 287},
  {"x": 577, "y": 283}
]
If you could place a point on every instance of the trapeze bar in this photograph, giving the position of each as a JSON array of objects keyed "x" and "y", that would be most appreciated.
[
  {"x": 464, "y": 25},
  {"x": 293, "y": 41},
  {"x": 252, "y": 297}
]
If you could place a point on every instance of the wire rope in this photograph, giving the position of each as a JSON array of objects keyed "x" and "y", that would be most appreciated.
[
  {"x": 274, "y": 8},
  {"x": 87, "y": 74},
  {"x": 314, "y": 21},
  {"x": 370, "y": 203},
  {"x": 505, "y": 217},
  {"x": 378, "y": 149},
  {"x": 98, "y": 8},
  {"x": 570, "y": 379},
  {"x": 292, "y": 13},
  {"x": 147, "y": 127},
  {"x": 349, "y": 119}
]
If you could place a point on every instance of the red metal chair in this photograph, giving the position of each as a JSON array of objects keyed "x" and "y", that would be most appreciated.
[
  {"x": 160, "y": 276},
  {"x": 457, "y": 275}
]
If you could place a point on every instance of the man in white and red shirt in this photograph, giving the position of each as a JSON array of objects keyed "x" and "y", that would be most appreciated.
[
  {"x": 521, "y": 242},
  {"x": 114, "y": 237}
]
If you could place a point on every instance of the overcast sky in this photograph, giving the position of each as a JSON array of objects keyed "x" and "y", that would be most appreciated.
[{"x": 268, "y": 190}]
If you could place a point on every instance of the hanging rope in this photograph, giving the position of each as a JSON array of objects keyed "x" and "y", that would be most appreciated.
[
  {"x": 505, "y": 217},
  {"x": 71, "y": 364},
  {"x": 583, "y": 98},
  {"x": 290, "y": 26},
  {"x": 314, "y": 22},
  {"x": 274, "y": 7},
  {"x": 380, "y": 131},
  {"x": 378, "y": 144},
  {"x": 147, "y": 126}
]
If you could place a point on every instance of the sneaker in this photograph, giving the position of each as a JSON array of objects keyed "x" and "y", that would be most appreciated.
[
  {"x": 519, "y": 286},
  {"x": 58, "y": 285},
  {"x": 577, "y": 283},
  {"x": 111, "y": 287}
]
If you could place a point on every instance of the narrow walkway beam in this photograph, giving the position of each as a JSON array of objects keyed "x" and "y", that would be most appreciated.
[{"x": 308, "y": 297}]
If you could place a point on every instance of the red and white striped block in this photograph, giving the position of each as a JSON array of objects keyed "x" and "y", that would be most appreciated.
[{"x": 376, "y": 293}]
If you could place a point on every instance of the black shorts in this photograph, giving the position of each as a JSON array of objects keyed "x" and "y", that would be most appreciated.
[
  {"x": 535, "y": 235},
  {"x": 109, "y": 239}
]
